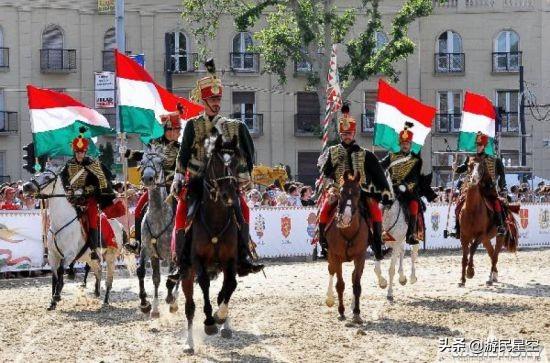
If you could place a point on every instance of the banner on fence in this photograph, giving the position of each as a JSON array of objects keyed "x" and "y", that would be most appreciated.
[{"x": 21, "y": 246}]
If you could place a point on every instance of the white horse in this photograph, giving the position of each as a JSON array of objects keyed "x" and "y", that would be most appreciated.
[{"x": 66, "y": 239}]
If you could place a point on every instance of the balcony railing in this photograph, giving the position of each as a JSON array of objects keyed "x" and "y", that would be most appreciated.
[
  {"x": 8, "y": 122},
  {"x": 448, "y": 122},
  {"x": 57, "y": 60},
  {"x": 245, "y": 62},
  {"x": 183, "y": 63},
  {"x": 367, "y": 122},
  {"x": 509, "y": 122},
  {"x": 307, "y": 124},
  {"x": 449, "y": 63},
  {"x": 506, "y": 62},
  {"x": 5, "y": 179},
  {"x": 254, "y": 122},
  {"x": 4, "y": 58}
]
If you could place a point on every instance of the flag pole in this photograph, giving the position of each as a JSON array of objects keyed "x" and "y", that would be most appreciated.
[{"x": 455, "y": 157}]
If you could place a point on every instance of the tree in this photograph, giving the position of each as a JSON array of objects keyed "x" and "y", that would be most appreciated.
[
  {"x": 304, "y": 30},
  {"x": 107, "y": 155}
]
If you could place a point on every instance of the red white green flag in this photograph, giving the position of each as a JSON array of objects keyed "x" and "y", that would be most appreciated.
[{"x": 478, "y": 115}]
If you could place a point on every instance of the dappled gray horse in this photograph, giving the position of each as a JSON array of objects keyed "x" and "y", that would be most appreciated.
[{"x": 156, "y": 227}]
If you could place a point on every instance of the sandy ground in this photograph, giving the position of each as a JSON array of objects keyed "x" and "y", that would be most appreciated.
[{"x": 283, "y": 318}]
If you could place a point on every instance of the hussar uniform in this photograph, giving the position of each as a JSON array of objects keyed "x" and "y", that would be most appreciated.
[{"x": 351, "y": 157}]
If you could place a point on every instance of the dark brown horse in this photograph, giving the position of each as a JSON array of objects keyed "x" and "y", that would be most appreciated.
[
  {"x": 477, "y": 224},
  {"x": 214, "y": 238},
  {"x": 347, "y": 241}
]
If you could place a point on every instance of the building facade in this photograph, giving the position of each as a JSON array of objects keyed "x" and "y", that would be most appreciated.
[{"x": 475, "y": 45}]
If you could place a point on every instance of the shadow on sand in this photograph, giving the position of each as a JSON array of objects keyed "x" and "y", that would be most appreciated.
[
  {"x": 409, "y": 329},
  {"x": 450, "y": 305}
]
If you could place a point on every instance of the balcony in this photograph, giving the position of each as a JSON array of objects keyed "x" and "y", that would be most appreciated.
[
  {"x": 509, "y": 123},
  {"x": 367, "y": 122},
  {"x": 448, "y": 122},
  {"x": 4, "y": 58},
  {"x": 57, "y": 60},
  {"x": 449, "y": 63},
  {"x": 183, "y": 63},
  {"x": 245, "y": 62},
  {"x": 307, "y": 124},
  {"x": 254, "y": 122},
  {"x": 506, "y": 62},
  {"x": 8, "y": 122}
]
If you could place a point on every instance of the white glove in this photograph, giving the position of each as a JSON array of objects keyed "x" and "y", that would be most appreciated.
[
  {"x": 402, "y": 188},
  {"x": 176, "y": 184}
]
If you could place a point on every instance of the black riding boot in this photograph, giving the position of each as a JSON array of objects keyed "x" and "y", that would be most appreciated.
[
  {"x": 411, "y": 230},
  {"x": 183, "y": 256},
  {"x": 244, "y": 266},
  {"x": 93, "y": 238},
  {"x": 499, "y": 219},
  {"x": 456, "y": 234},
  {"x": 323, "y": 240},
  {"x": 377, "y": 243},
  {"x": 134, "y": 247}
]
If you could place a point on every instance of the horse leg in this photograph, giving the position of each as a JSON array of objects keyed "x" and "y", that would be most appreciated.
[
  {"x": 53, "y": 302},
  {"x": 330, "y": 289},
  {"x": 229, "y": 286},
  {"x": 494, "y": 258},
  {"x": 59, "y": 287},
  {"x": 210, "y": 327},
  {"x": 465, "y": 252},
  {"x": 71, "y": 275},
  {"x": 145, "y": 306},
  {"x": 187, "y": 288},
  {"x": 171, "y": 296},
  {"x": 155, "y": 264},
  {"x": 110, "y": 259},
  {"x": 86, "y": 272},
  {"x": 359, "y": 263},
  {"x": 391, "y": 273},
  {"x": 402, "y": 277},
  {"x": 470, "y": 272},
  {"x": 490, "y": 251},
  {"x": 96, "y": 269},
  {"x": 340, "y": 286},
  {"x": 382, "y": 282},
  {"x": 414, "y": 258}
]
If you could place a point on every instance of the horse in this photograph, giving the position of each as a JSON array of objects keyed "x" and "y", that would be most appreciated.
[
  {"x": 476, "y": 225},
  {"x": 67, "y": 241},
  {"x": 214, "y": 236},
  {"x": 347, "y": 239},
  {"x": 156, "y": 227}
]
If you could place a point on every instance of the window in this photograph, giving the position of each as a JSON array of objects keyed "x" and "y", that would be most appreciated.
[
  {"x": 303, "y": 66},
  {"x": 381, "y": 40},
  {"x": 2, "y": 165},
  {"x": 307, "y": 120},
  {"x": 52, "y": 38},
  {"x": 109, "y": 45},
  {"x": 3, "y": 115},
  {"x": 242, "y": 59},
  {"x": 449, "y": 57},
  {"x": 507, "y": 103},
  {"x": 510, "y": 157},
  {"x": 367, "y": 119},
  {"x": 53, "y": 56},
  {"x": 307, "y": 166},
  {"x": 449, "y": 104},
  {"x": 244, "y": 109},
  {"x": 506, "y": 56},
  {"x": 181, "y": 60},
  {"x": 4, "y": 63}
]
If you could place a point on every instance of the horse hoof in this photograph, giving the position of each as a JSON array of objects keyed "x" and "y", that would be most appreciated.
[
  {"x": 390, "y": 298},
  {"x": 342, "y": 318},
  {"x": 461, "y": 284},
  {"x": 403, "y": 280},
  {"x": 146, "y": 309},
  {"x": 71, "y": 276},
  {"x": 470, "y": 273},
  {"x": 169, "y": 299},
  {"x": 211, "y": 329},
  {"x": 329, "y": 302},
  {"x": 218, "y": 320},
  {"x": 226, "y": 333},
  {"x": 489, "y": 283},
  {"x": 57, "y": 298},
  {"x": 155, "y": 314},
  {"x": 83, "y": 285},
  {"x": 52, "y": 307},
  {"x": 357, "y": 319},
  {"x": 106, "y": 302},
  {"x": 174, "y": 308},
  {"x": 189, "y": 350},
  {"x": 413, "y": 279},
  {"x": 96, "y": 293},
  {"x": 383, "y": 284}
]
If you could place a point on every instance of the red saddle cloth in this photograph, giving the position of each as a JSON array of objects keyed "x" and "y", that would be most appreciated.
[{"x": 108, "y": 239}]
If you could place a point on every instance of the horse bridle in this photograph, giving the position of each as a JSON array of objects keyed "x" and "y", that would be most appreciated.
[
  {"x": 40, "y": 187},
  {"x": 160, "y": 179},
  {"x": 211, "y": 182}
]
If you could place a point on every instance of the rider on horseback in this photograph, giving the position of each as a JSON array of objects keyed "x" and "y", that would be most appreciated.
[
  {"x": 404, "y": 168},
  {"x": 88, "y": 182},
  {"x": 190, "y": 165},
  {"x": 348, "y": 156},
  {"x": 496, "y": 172},
  {"x": 169, "y": 147}
]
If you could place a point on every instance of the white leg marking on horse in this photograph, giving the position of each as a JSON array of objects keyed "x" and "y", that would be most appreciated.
[
  {"x": 330, "y": 292},
  {"x": 391, "y": 272},
  {"x": 378, "y": 271},
  {"x": 223, "y": 311},
  {"x": 189, "y": 343},
  {"x": 402, "y": 277},
  {"x": 155, "y": 308},
  {"x": 414, "y": 258}
]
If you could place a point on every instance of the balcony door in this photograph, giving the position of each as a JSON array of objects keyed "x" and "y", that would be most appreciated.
[
  {"x": 507, "y": 56},
  {"x": 52, "y": 40},
  {"x": 244, "y": 108},
  {"x": 242, "y": 58},
  {"x": 3, "y": 115},
  {"x": 449, "y": 104},
  {"x": 179, "y": 51},
  {"x": 508, "y": 102},
  {"x": 449, "y": 48}
]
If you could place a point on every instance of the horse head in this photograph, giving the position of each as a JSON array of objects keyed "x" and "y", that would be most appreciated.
[
  {"x": 221, "y": 170},
  {"x": 478, "y": 172},
  {"x": 44, "y": 182},
  {"x": 151, "y": 166},
  {"x": 348, "y": 202}
]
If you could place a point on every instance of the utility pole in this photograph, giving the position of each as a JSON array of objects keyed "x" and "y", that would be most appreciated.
[
  {"x": 169, "y": 46},
  {"x": 120, "y": 42},
  {"x": 522, "y": 118}
]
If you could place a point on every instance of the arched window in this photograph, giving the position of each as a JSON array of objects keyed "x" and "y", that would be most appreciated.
[
  {"x": 52, "y": 38},
  {"x": 109, "y": 40},
  {"x": 52, "y": 55},
  {"x": 242, "y": 59},
  {"x": 449, "y": 56},
  {"x": 506, "y": 55},
  {"x": 381, "y": 40},
  {"x": 3, "y": 52},
  {"x": 109, "y": 46},
  {"x": 178, "y": 50}
]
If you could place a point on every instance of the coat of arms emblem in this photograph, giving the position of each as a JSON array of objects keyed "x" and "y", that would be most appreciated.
[
  {"x": 259, "y": 226},
  {"x": 524, "y": 217},
  {"x": 286, "y": 226},
  {"x": 544, "y": 219},
  {"x": 435, "y": 221}
]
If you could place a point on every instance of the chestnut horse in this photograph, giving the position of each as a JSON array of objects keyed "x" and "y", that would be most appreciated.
[
  {"x": 477, "y": 226},
  {"x": 347, "y": 241}
]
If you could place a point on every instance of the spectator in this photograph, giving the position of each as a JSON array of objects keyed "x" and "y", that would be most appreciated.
[
  {"x": 9, "y": 203},
  {"x": 293, "y": 198},
  {"x": 305, "y": 196},
  {"x": 268, "y": 199},
  {"x": 254, "y": 198}
]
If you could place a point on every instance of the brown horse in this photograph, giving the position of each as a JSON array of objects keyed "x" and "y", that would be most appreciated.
[
  {"x": 477, "y": 225},
  {"x": 347, "y": 241},
  {"x": 214, "y": 238}
]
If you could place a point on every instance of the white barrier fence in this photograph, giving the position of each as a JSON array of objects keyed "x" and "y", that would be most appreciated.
[{"x": 278, "y": 232}]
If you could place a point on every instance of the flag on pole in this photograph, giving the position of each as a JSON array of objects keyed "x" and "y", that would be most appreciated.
[
  {"x": 56, "y": 119},
  {"x": 393, "y": 110},
  {"x": 334, "y": 94},
  {"x": 142, "y": 101},
  {"x": 478, "y": 115}
]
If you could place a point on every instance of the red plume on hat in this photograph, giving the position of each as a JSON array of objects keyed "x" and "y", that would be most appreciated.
[
  {"x": 482, "y": 139},
  {"x": 80, "y": 143},
  {"x": 346, "y": 123},
  {"x": 406, "y": 135}
]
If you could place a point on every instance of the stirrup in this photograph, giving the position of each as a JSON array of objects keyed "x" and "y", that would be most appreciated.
[{"x": 501, "y": 231}]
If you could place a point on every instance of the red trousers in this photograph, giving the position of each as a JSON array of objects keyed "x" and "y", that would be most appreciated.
[
  {"x": 372, "y": 204},
  {"x": 92, "y": 213},
  {"x": 413, "y": 208},
  {"x": 107, "y": 233},
  {"x": 141, "y": 203}
]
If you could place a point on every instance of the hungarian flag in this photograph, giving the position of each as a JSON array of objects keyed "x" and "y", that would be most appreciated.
[
  {"x": 56, "y": 119},
  {"x": 393, "y": 110},
  {"x": 478, "y": 115},
  {"x": 142, "y": 101}
]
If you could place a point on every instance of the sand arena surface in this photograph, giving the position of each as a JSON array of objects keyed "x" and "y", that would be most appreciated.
[{"x": 283, "y": 318}]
